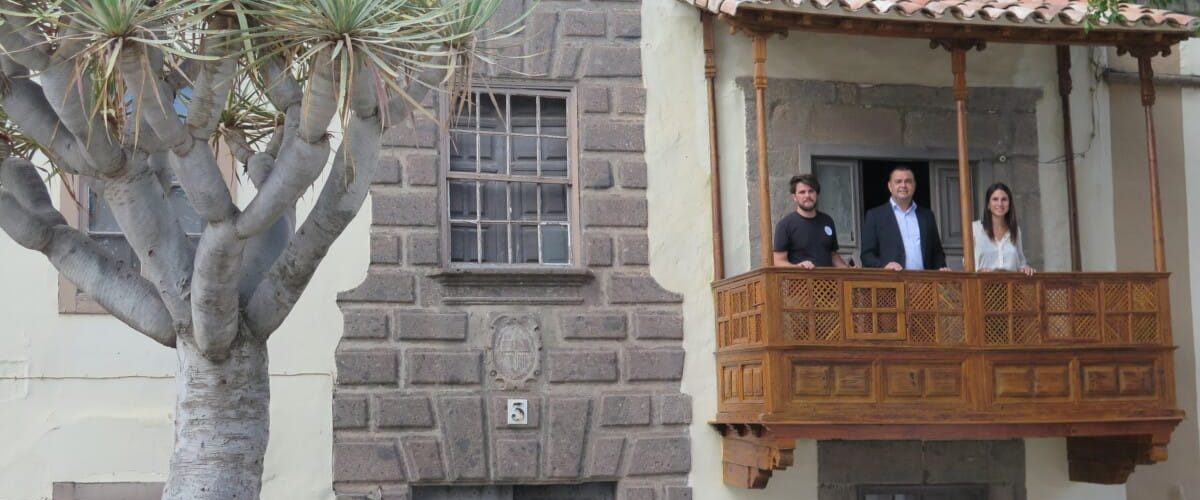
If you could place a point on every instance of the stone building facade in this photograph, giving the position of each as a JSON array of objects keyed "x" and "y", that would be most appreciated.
[{"x": 434, "y": 352}]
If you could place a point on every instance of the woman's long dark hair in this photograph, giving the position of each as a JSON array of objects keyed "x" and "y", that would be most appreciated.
[{"x": 1010, "y": 218}]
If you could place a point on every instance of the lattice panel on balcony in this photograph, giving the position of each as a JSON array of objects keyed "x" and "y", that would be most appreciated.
[
  {"x": 827, "y": 294},
  {"x": 739, "y": 314},
  {"x": 1130, "y": 312},
  {"x": 1072, "y": 312},
  {"x": 935, "y": 312},
  {"x": 875, "y": 310},
  {"x": 812, "y": 309},
  {"x": 796, "y": 326},
  {"x": 828, "y": 326},
  {"x": 797, "y": 294},
  {"x": 922, "y": 328},
  {"x": 1009, "y": 312}
]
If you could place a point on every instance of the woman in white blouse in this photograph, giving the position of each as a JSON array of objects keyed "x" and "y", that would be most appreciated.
[{"x": 997, "y": 239}]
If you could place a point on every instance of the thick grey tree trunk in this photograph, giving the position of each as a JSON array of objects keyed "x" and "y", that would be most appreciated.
[{"x": 221, "y": 423}]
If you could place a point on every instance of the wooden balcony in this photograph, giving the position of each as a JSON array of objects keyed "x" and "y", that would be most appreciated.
[{"x": 871, "y": 354}]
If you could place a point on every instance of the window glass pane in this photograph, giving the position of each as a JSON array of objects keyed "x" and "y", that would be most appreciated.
[
  {"x": 524, "y": 161},
  {"x": 495, "y": 243},
  {"x": 554, "y": 157},
  {"x": 493, "y": 155},
  {"x": 555, "y": 249},
  {"x": 191, "y": 221},
  {"x": 100, "y": 218},
  {"x": 554, "y": 202},
  {"x": 495, "y": 201},
  {"x": 462, "y": 200},
  {"x": 462, "y": 114},
  {"x": 524, "y": 200},
  {"x": 118, "y": 247},
  {"x": 492, "y": 113},
  {"x": 839, "y": 190},
  {"x": 525, "y": 244},
  {"x": 463, "y": 241},
  {"x": 554, "y": 116},
  {"x": 462, "y": 152},
  {"x": 524, "y": 114}
]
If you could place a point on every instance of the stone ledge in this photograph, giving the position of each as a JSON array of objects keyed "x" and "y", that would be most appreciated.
[{"x": 523, "y": 276}]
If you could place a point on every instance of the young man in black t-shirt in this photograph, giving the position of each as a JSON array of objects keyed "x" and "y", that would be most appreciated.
[{"x": 806, "y": 238}]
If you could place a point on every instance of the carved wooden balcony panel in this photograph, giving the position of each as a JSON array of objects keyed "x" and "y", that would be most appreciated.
[{"x": 869, "y": 354}]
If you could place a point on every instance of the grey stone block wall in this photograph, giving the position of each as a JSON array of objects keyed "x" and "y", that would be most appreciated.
[
  {"x": 428, "y": 361},
  {"x": 879, "y": 120},
  {"x": 845, "y": 466}
]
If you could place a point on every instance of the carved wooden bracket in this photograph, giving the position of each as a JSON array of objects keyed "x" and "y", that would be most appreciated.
[
  {"x": 750, "y": 453},
  {"x": 1110, "y": 459}
]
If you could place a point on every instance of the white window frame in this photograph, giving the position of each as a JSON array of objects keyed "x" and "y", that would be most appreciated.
[{"x": 571, "y": 181}]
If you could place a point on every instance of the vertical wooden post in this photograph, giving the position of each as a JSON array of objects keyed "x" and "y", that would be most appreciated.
[
  {"x": 714, "y": 158},
  {"x": 764, "y": 193},
  {"x": 958, "y": 65},
  {"x": 1146, "y": 74},
  {"x": 1064, "y": 93}
]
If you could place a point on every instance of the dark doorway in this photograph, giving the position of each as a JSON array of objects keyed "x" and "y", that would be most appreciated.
[{"x": 875, "y": 176}]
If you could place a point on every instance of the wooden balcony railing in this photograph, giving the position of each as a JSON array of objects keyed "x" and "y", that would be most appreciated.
[{"x": 871, "y": 354}]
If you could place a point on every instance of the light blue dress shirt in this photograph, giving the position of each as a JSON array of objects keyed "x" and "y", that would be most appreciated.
[{"x": 910, "y": 232}]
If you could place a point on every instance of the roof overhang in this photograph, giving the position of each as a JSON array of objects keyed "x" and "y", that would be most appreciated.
[{"x": 1015, "y": 21}]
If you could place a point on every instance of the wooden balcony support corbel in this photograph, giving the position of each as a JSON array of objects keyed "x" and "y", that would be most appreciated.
[
  {"x": 1111, "y": 459},
  {"x": 750, "y": 454}
]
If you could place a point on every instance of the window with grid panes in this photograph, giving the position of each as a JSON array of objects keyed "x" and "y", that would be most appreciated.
[
  {"x": 102, "y": 225},
  {"x": 510, "y": 179}
]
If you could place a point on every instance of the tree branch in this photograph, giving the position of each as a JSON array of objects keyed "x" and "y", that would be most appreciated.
[
  {"x": 193, "y": 161},
  {"x": 264, "y": 248},
  {"x": 304, "y": 154},
  {"x": 212, "y": 85},
  {"x": 140, "y": 205},
  {"x": 337, "y": 205},
  {"x": 27, "y": 215},
  {"x": 68, "y": 90},
  {"x": 215, "y": 302},
  {"x": 26, "y": 50},
  {"x": 27, "y": 107},
  {"x": 335, "y": 208}
]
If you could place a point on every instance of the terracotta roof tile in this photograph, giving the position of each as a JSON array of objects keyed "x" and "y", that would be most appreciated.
[{"x": 1045, "y": 12}]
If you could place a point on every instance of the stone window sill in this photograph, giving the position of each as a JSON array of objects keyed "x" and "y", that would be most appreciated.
[{"x": 521, "y": 276}]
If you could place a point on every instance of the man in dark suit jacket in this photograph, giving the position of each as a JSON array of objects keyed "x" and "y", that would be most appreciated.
[{"x": 899, "y": 234}]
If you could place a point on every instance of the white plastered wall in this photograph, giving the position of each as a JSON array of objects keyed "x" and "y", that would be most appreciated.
[
  {"x": 679, "y": 227},
  {"x": 1190, "y": 65},
  {"x": 85, "y": 399}
]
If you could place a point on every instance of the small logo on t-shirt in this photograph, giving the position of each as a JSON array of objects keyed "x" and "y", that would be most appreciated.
[{"x": 828, "y": 231}]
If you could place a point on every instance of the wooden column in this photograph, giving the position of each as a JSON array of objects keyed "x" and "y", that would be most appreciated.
[
  {"x": 1064, "y": 93},
  {"x": 714, "y": 157},
  {"x": 1146, "y": 75},
  {"x": 958, "y": 65},
  {"x": 760, "y": 102}
]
